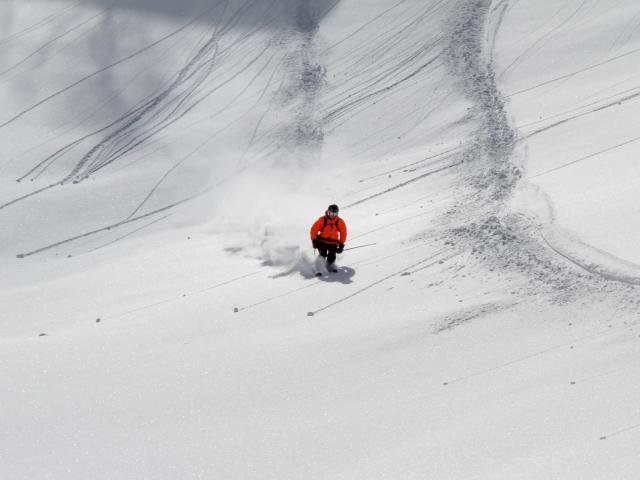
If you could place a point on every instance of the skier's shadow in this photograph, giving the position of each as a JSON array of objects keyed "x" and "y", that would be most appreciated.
[{"x": 343, "y": 275}]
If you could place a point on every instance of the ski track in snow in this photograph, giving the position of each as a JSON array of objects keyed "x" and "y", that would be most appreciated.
[
  {"x": 566, "y": 245},
  {"x": 577, "y": 341}
]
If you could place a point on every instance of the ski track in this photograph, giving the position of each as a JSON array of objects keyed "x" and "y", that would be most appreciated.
[
  {"x": 404, "y": 168},
  {"x": 47, "y": 44},
  {"x": 587, "y": 157},
  {"x": 44, "y": 22},
  {"x": 132, "y": 232},
  {"x": 403, "y": 184},
  {"x": 544, "y": 38},
  {"x": 181, "y": 297},
  {"x": 317, "y": 282},
  {"x": 599, "y": 335},
  {"x": 599, "y": 108},
  {"x": 574, "y": 73},
  {"x": 437, "y": 261},
  {"x": 115, "y": 225}
]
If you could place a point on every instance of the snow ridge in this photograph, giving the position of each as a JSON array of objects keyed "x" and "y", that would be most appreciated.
[
  {"x": 488, "y": 223},
  {"x": 491, "y": 172}
]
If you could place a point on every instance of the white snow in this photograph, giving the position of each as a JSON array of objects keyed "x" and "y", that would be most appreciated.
[{"x": 160, "y": 318}]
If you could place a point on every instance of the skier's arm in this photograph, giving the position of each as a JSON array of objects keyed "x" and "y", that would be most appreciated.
[
  {"x": 315, "y": 228},
  {"x": 342, "y": 228}
]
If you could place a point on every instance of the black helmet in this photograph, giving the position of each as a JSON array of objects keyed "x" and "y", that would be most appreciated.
[{"x": 333, "y": 209}]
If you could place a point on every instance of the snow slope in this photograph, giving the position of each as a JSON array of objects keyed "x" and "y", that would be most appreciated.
[{"x": 160, "y": 316}]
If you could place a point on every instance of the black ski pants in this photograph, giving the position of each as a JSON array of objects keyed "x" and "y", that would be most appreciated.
[{"x": 328, "y": 251}]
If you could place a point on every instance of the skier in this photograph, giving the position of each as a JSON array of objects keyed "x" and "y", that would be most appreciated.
[{"x": 328, "y": 235}]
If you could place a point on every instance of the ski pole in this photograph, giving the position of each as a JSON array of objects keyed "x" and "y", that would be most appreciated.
[{"x": 361, "y": 246}]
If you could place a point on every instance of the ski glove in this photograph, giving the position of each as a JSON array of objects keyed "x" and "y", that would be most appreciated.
[
  {"x": 315, "y": 243},
  {"x": 340, "y": 248}
]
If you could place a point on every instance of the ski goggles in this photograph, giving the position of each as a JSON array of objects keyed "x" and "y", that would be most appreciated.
[{"x": 332, "y": 214}]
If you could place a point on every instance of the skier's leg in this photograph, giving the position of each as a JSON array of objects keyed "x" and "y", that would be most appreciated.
[
  {"x": 320, "y": 262},
  {"x": 319, "y": 265},
  {"x": 322, "y": 249},
  {"x": 331, "y": 254}
]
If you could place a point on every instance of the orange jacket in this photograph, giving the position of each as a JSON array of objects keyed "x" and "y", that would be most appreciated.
[{"x": 329, "y": 230}]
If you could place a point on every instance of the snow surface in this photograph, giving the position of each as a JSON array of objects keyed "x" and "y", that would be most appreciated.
[{"x": 163, "y": 161}]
